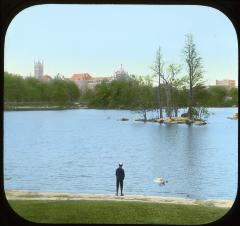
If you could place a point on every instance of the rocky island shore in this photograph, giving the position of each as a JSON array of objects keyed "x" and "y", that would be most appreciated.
[{"x": 175, "y": 120}]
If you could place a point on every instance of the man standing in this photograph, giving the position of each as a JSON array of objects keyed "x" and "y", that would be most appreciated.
[{"x": 120, "y": 177}]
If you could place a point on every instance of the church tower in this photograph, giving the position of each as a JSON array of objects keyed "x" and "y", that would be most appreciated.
[{"x": 38, "y": 70}]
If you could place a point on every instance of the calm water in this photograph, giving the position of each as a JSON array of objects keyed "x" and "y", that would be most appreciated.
[{"x": 79, "y": 150}]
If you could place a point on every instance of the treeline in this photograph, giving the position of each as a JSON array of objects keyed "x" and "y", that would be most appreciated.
[
  {"x": 139, "y": 93},
  {"x": 19, "y": 91},
  {"x": 133, "y": 93}
]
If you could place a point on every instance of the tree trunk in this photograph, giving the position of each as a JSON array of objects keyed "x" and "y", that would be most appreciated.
[
  {"x": 168, "y": 100},
  {"x": 176, "y": 112},
  {"x": 159, "y": 98},
  {"x": 145, "y": 115},
  {"x": 190, "y": 103}
]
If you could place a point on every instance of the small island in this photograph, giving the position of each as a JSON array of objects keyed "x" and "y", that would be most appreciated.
[{"x": 175, "y": 120}]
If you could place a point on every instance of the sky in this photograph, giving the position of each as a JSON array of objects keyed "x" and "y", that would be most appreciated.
[{"x": 97, "y": 39}]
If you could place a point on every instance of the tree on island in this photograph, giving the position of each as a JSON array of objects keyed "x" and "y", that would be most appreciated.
[
  {"x": 171, "y": 84},
  {"x": 145, "y": 96},
  {"x": 157, "y": 67},
  {"x": 168, "y": 83},
  {"x": 194, "y": 78}
]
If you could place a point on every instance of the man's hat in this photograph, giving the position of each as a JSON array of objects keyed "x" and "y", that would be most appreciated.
[{"x": 120, "y": 163}]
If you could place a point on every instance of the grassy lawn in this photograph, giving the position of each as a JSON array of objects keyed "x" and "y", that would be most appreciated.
[{"x": 113, "y": 212}]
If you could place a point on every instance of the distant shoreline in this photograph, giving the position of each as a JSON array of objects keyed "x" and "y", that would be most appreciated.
[
  {"x": 27, "y": 195},
  {"x": 42, "y": 108},
  {"x": 54, "y": 108}
]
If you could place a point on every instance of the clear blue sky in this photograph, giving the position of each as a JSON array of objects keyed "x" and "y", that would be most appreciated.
[{"x": 98, "y": 38}]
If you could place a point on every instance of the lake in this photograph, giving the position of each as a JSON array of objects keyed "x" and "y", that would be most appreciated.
[{"x": 79, "y": 150}]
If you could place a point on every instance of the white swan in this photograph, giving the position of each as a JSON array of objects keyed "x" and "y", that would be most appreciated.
[{"x": 160, "y": 181}]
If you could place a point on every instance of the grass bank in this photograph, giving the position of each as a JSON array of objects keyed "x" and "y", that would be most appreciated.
[{"x": 112, "y": 212}]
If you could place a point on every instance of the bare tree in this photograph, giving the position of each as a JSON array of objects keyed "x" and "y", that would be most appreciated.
[
  {"x": 170, "y": 83},
  {"x": 194, "y": 69},
  {"x": 145, "y": 95},
  {"x": 171, "y": 87},
  {"x": 158, "y": 72}
]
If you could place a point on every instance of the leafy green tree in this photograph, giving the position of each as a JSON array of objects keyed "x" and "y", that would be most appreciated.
[
  {"x": 59, "y": 92},
  {"x": 14, "y": 88},
  {"x": 87, "y": 97},
  {"x": 217, "y": 95},
  {"x": 33, "y": 90},
  {"x": 201, "y": 96},
  {"x": 233, "y": 93},
  {"x": 73, "y": 91},
  {"x": 102, "y": 94},
  {"x": 122, "y": 93},
  {"x": 19, "y": 90}
]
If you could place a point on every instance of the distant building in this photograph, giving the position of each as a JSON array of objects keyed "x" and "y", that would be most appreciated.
[
  {"x": 81, "y": 80},
  {"x": 46, "y": 78},
  {"x": 81, "y": 77},
  {"x": 85, "y": 81},
  {"x": 121, "y": 74},
  {"x": 38, "y": 70},
  {"x": 97, "y": 80},
  {"x": 227, "y": 83}
]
